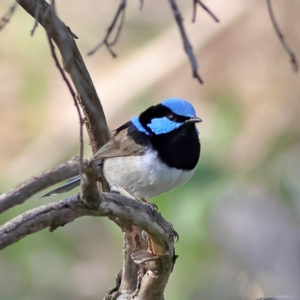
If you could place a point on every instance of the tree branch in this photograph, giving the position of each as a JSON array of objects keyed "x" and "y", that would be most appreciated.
[
  {"x": 73, "y": 94},
  {"x": 187, "y": 46},
  {"x": 59, "y": 213},
  {"x": 148, "y": 239},
  {"x": 129, "y": 213},
  {"x": 292, "y": 55}
]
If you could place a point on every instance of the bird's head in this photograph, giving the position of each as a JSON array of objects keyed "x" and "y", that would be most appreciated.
[{"x": 166, "y": 116}]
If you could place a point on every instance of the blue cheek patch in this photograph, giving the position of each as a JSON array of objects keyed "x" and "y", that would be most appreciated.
[
  {"x": 163, "y": 125},
  {"x": 135, "y": 121}
]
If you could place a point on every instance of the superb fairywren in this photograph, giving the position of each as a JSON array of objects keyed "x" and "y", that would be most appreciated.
[{"x": 150, "y": 154}]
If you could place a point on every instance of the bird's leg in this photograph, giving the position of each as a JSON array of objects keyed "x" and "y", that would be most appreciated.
[
  {"x": 120, "y": 190},
  {"x": 144, "y": 200}
]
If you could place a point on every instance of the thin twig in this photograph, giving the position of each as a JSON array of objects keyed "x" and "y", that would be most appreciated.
[
  {"x": 195, "y": 2},
  {"x": 81, "y": 121},
  {"x": 120, "y": 14},
  {"x": 292, "y": 55},
  {"x": 8, "y": 15},
  {"x": 187, "y": 46}
]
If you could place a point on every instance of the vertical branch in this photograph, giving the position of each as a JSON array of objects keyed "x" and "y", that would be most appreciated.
[
  {"x": 292, "y": 55},
  {"x": 73, "y": 94},
  {"x": 187, "y": 46}
]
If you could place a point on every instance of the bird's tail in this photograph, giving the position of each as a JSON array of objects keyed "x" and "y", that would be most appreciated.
[{"x": 68, "y": 186}]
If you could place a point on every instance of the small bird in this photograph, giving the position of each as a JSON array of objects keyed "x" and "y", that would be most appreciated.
[{"x": 150, "y": 154}]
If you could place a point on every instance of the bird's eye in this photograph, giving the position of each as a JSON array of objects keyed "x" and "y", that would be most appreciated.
[{"x": 171, "y": 117}]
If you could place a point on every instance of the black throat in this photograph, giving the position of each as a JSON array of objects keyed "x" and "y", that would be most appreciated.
[{"x": 179, "y": 148}]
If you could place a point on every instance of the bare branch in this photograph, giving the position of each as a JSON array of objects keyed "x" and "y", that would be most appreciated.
[
  {"x": 89, "y": 188},
  {"x": 132, "y": 216},
  {"x": 62, "y": 212},
  {"x": 74, "y": 65},
  {"x": 195, "y": 2},
  {"x": 120, "y": 14},
  {"x": 151, "y": 254},
  {"x": 37, "y": 183},
  {"x": 187, "y": 46},
  {"x": 73, "y": 94},
  {"x": 292, "y": 55},
  {"x": 133, "y": 243},
  {"x": 8, "y": 15}
]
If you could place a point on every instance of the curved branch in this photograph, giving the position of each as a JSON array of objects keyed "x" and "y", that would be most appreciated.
[
  {"x": 65, "y": 211},
  {"x": 292, "y": 55},
  {"x": 73, "y": 94},
  {"x": 152, "y": 252},
  {"x": 132, "y": 216}
]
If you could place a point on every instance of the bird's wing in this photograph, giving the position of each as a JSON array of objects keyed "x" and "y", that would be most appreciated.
[{"x": 121, "y": 144}]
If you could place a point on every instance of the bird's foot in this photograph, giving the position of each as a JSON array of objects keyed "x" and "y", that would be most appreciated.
[
  {"x": 153, "y": 206},
  {"x": 174, "y": 233}
]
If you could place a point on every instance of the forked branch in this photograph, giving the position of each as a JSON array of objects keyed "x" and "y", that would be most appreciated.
[
  {"x": 195, "y": 2},
  {"x": 149, "y": 258},
  {"x": 119, "y": 15}
]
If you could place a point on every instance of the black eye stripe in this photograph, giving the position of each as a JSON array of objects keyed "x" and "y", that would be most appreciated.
[
  {"x": 179, "y": 119},
  {"x": 159, "y": 111}
]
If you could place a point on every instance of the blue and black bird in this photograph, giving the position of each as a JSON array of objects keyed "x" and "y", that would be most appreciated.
[{"x": 150, "y": 154}]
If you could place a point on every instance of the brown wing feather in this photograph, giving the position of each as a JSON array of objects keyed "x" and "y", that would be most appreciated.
[{"x": 120, "y": 144}]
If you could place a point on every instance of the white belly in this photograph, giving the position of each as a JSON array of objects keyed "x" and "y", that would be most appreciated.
[{"x": 143, "y": 176}]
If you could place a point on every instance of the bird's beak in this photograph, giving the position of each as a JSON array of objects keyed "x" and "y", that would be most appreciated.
[{"x": 193, "y": 120}]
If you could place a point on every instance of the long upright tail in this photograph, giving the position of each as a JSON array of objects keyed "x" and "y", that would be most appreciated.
[{"x": 68, "y": 186}]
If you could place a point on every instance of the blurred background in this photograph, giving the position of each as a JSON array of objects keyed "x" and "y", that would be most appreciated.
[{"x": 238, "y": 217}]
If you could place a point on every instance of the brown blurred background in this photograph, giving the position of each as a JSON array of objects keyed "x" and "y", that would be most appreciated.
[{"x": 238, "y": 218}]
